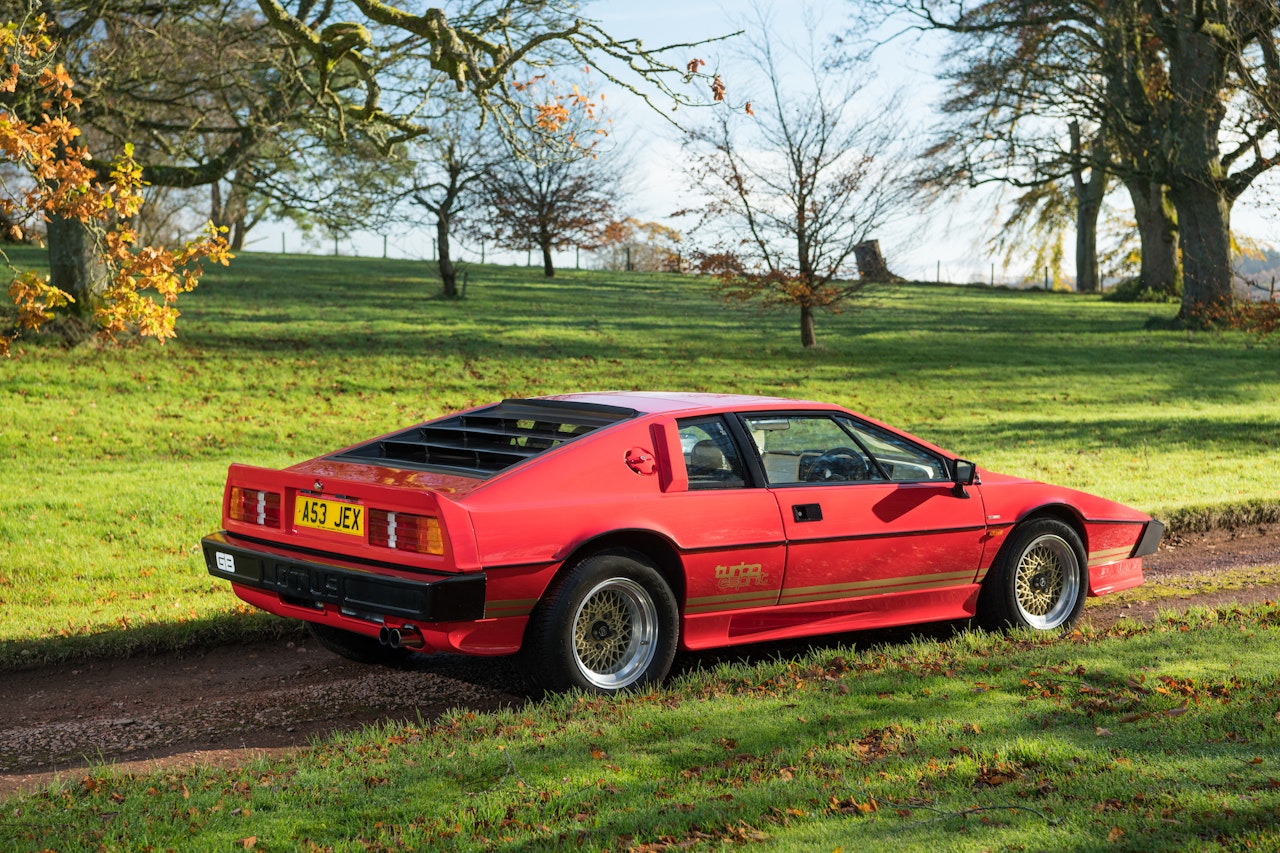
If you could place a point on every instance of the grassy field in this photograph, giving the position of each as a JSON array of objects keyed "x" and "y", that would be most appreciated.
[
  {"x": 1162, "y": 737},
  {"x": 113, "y": 460},
  {"x": 1155, "y": 738}
]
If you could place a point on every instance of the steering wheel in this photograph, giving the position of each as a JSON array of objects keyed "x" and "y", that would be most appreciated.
[{"x": 840, "y": 463}]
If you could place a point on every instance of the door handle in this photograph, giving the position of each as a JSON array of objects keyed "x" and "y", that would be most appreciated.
[{"x": 807, "y": 512}]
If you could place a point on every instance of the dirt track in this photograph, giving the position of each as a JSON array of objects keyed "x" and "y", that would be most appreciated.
[{"x": 230, "y": 704}]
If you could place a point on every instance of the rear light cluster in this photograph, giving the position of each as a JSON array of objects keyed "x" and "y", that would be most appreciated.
[
  {"x": 405, "y": 532},
  {"x": 253, "y": 506}
]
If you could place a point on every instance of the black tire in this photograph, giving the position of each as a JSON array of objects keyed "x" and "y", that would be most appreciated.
[
  {"x": 609, "y": 624},
  {"x": 356, "y": 647},
  {"x": 1039, "y": 579}
]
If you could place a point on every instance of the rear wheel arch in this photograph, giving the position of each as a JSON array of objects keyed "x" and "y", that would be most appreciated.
[
  {"x": 609, "y": 621},
  {"x": 658, "y": 550}
]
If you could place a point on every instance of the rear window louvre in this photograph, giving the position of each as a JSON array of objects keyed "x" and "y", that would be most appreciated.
[{"x": 488, "y": 440}]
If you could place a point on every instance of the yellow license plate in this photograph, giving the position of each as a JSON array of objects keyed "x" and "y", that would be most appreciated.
[{"x": 329, "y": 515}]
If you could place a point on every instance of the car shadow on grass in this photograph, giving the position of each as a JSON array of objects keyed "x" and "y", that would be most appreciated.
[{"x": 511, "y": 676}]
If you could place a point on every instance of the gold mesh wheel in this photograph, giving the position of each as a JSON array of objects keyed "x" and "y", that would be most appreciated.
[
  {"x": 615, "y": 631},
  {"x": 1047, "y": 582}
]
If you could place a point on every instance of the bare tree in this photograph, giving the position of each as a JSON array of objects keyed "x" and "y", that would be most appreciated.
[
  {"x": 796, "y": 182},
  {"x": 549, "y": 195},
  {"x": 448, "y": 167},
  {"x": 1023, "y": 110}
]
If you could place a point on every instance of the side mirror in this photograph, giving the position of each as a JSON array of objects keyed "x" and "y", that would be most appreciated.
[{"x": 964, "y": 473}]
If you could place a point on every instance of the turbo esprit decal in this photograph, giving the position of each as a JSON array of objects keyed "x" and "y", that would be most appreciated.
[{"x": 740, "y": 576}]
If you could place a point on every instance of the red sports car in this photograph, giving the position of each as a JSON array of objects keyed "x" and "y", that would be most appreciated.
[{"x": 597, "y": 533}]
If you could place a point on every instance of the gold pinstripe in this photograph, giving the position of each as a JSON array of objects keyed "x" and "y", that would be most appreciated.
[
  {"x": 509, "y": 607},
  {"x": 1109, "y": 555},
  {"x": 829, "y": 592},
  {"x": 879, "y": 586},
  {"x": 734, "y": 601},
  {"x": 759, "y": 598}
]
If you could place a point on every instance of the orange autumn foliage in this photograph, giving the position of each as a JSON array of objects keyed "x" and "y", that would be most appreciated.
[
  {"x": 142, "y": 283},
  {"x": 553, "y": 109}
]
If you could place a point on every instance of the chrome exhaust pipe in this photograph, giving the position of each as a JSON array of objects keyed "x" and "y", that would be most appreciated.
[
  {"x": 409, "y": 637},
  {"x": 404, "y": 637}
]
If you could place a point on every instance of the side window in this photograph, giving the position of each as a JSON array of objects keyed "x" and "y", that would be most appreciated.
[
  {"x": 710, "y": 456},
  {"x": 808, "y": 449},
  {"x": 899, "y": 458}
]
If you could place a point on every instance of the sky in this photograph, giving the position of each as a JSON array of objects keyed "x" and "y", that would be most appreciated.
[
  {"x": 919, "y": 246},
  {"x": 950, "y": 241}
]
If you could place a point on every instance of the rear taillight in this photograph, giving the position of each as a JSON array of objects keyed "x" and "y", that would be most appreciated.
[
  {"x": 253, "y": 506},
  {"x": 405, "y": 532}
]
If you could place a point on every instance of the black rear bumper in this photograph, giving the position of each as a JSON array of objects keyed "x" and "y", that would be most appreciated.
[{"x": 314, "y": 580}]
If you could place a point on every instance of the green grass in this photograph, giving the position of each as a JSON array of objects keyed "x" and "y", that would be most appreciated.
[
  {"x": 1195, "y": 584},
  {"x": 1151, "y": 738},
  {"x": 114, "y": 461}
]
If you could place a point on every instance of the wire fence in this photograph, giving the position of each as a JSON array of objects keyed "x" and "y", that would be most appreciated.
[
  {"x": 421, "y": 245},
  {"x": 407, "y": 245}
]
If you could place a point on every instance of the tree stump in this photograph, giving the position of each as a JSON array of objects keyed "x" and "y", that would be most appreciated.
[{"x": 871, "y": 265}]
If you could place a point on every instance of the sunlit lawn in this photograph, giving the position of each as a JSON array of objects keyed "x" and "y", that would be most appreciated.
[{"x": 1155, "y": 738}]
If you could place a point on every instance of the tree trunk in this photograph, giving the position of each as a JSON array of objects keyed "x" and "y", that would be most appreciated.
[
  {"x": 1204, "y": 226},
  {"x": 235, "y": 214},
  {"x": 548, "y": 269},
  {"x": 239, "y": 229},
  {"x": 1158, "y": 232},
  {"x": 1087, "y": 278},
  {"x": 1089, "y": 196},
  {"x": 871, "y": 263},
  {"x": 217, "y": 210},
  {"x": 74, "y": 265},
  {"x": 448, "y": 273},
  {"x": 1198, "y": 70},
  {"x": 808, "y": 335}
]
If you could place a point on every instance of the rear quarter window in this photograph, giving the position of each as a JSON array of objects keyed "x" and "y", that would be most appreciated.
[{"x": 711, "y": 457}]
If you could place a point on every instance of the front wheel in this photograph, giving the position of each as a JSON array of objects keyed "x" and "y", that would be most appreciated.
[
  {"x": 609, "y": 624},
  {"x": 1038, "y": 581}
]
